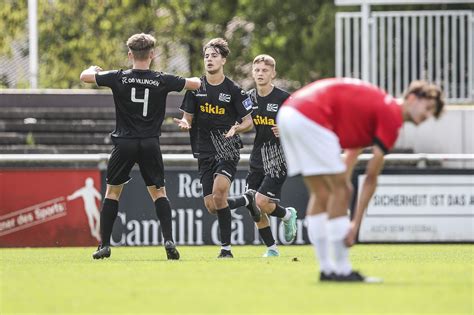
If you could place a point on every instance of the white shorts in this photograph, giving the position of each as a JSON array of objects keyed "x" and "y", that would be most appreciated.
[{"x": 310, "y": 149}]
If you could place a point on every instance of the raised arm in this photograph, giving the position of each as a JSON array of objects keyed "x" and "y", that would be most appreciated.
[
  {"x": 88, "y": 75},
  {"x": 192, "y": 83},
  {"x": 374, "y": 167}
]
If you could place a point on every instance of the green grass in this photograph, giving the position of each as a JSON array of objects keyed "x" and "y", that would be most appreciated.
[{"x": 418, "y": 279}]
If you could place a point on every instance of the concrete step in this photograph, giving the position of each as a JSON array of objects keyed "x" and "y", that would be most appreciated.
[
  {"x": 58, "y": 113},
  {"x": 53, "y": 138},
  {"x": 43, "y": 125},
  {"x": 65, "y": 113},
  {"x": 78, "y": 138},
  {"x": 85, "y": 138}
]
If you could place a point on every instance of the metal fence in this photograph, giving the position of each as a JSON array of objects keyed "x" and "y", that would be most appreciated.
[{"x": 436, "y": 46}]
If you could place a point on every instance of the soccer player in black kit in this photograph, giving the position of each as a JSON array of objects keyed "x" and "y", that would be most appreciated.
[
  {"x": 140, "y": 102},
  {"x": 267, "y": 162},
  {"x": 215, "y": 114}
]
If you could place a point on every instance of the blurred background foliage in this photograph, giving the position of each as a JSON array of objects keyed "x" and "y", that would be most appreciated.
[
  {"x": 300, "y": 34},
  {"x": 76, "y": 34}
]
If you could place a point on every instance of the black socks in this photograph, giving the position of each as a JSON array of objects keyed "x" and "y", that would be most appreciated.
[
  {"x": 225, "y": 225},
  {"x": 107, "y": 219},
  {"x": 163, "y": 212},
  {"x": 237, "y": 202},
  {"x": 279, "y": 211},
  {"x": 267, "y": 236}
]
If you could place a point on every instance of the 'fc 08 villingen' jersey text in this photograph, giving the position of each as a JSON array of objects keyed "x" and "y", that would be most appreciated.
[{"x": 140, "y": 100}]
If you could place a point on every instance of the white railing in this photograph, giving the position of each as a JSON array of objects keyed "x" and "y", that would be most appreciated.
[
  {"x": 420, "y": 158},
  {"x": 402, "y": 46}
]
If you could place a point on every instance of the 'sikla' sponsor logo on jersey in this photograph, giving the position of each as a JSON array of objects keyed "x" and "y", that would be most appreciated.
[
  {"x": 264, "y": 120},
  {"x": 272, "y": 107},
  {"x": 224, "y": 97},
  {"x": 247, "y": 103},
  {"x": 212, "y": 109}
]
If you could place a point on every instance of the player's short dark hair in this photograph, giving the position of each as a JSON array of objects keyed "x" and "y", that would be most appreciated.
[
  {"x": 140, "y": 45},
  {"x": 218, "y": 44},
  {"x": 423, "y": 89}
]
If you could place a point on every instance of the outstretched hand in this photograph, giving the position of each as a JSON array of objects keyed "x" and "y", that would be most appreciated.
[
  {"x": 182, "y": 123},
  {"x": 231, "y": 131},
  {"x": 350, "y": 238}
]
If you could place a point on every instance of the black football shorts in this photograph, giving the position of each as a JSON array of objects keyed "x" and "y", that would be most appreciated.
[
  {"x": 208, "y": 169},
  {"x": 265, "y": 184},
  {"x": 145, "y": 152}
]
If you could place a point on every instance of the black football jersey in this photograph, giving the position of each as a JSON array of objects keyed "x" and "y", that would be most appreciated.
[
  {"x": 215, "y": 109},
  {"x": 267, "y": 153},
  {"x": 140, "y": 100}
]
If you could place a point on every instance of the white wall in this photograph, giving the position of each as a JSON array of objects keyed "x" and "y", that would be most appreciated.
[{"x": 453, "y": 132}]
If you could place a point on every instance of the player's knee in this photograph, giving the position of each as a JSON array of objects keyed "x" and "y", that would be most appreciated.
[
  {"x": 350, "y": 188},
  {"x": 264, "y": 222},
  {"x": 112, "y": 195},
  {"x": 209, "y": 203},
  {"x": 157, "y": 194},
  {"x": 113, "y": 192},
  {"x": 212, "y": 211},
  {"x": 264, "y": 204},
  {"x": 219, "y": 198},
  {"x": 346, "y": 189},
  {"x": 341, "y": 186}
]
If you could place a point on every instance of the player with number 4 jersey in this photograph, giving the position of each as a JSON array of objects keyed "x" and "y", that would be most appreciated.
[{"x": 140, "y": 104}]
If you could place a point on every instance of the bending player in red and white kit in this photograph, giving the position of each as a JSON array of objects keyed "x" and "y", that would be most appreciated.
[{"x": 315, "y": 123}]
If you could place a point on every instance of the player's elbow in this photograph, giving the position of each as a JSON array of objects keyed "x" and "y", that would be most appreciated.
[
  {"x": 86, "y": 78},
  {"x": 247, "y": 128},
  {"x": 193, "y": 84},
  {"x": 82, "y": 77},
  {"x": 247, "y": 124}
]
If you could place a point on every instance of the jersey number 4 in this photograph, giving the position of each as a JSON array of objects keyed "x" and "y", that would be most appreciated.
[{"x": 143, "y": 100}]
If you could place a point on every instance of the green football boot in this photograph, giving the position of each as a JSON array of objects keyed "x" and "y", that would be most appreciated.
[{"x": 290, "y": 225}]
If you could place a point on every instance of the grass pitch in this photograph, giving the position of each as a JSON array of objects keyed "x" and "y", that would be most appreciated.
[{"x": 418, "y": 279}]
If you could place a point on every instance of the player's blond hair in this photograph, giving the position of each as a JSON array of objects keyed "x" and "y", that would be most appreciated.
[
  {"x": 423, "y": 89},
  {"x": 266, "y": 59},
  {"x": 140, "y": 45}
]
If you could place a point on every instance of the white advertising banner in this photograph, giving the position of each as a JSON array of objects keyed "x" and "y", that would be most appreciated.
[{"x": 420, "y": 208}]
